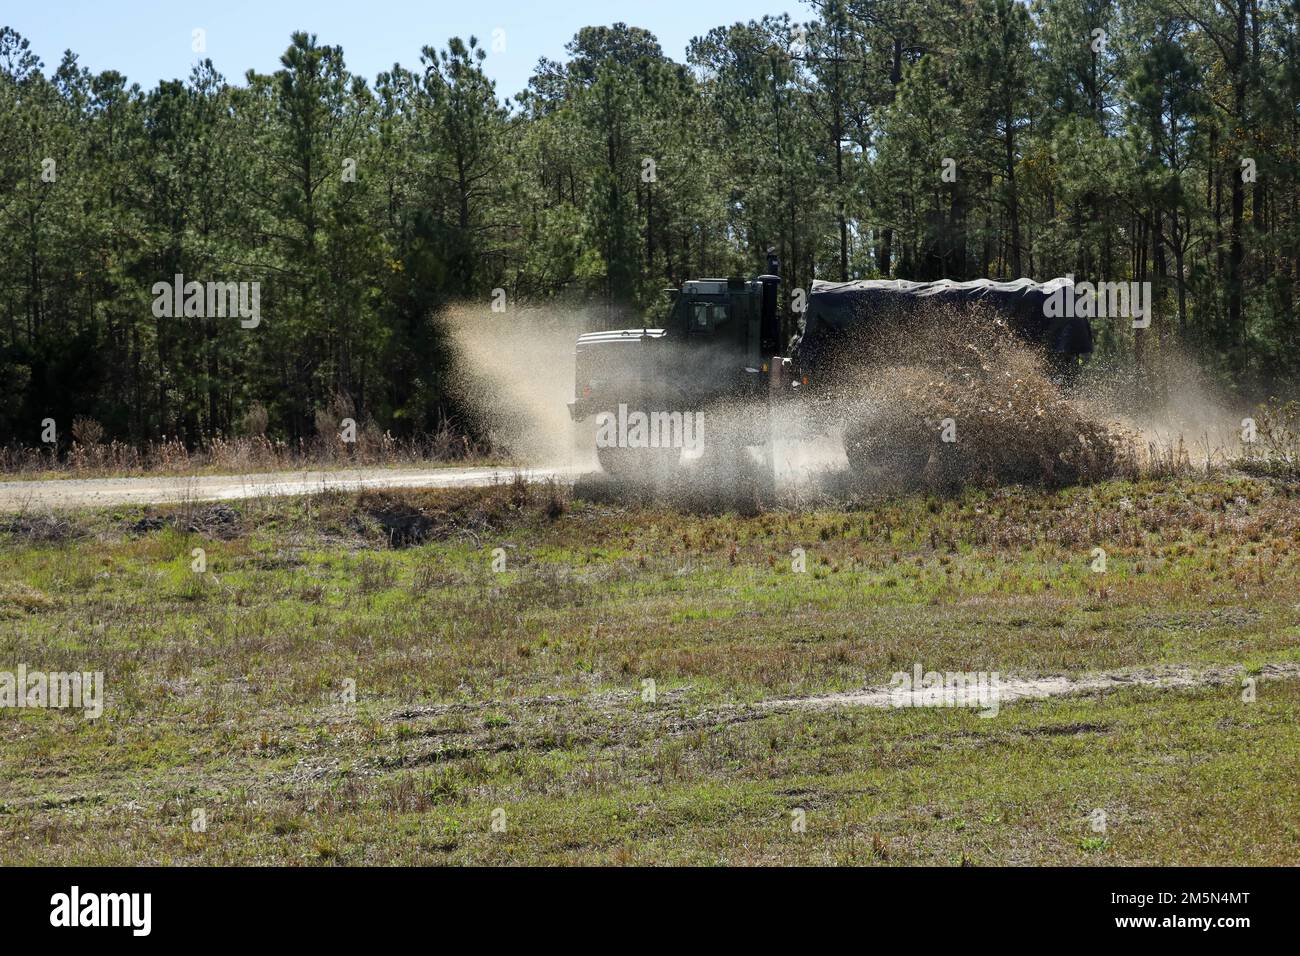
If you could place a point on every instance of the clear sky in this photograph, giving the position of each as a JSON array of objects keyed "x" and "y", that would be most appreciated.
[{"x": 149, "y": 40}]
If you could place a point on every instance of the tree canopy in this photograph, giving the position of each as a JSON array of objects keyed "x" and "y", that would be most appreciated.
[{"x": 1115, "y": 140}]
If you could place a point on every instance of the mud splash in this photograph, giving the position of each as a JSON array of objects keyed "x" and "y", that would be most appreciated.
[{"x": 952, "y": 397}]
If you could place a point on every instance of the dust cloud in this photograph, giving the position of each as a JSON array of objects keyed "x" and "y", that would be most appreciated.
[
  {"x": 1174, "y": 418},
  {"x": 515, "y": 371},
  {"x": 882, "y": 427}
]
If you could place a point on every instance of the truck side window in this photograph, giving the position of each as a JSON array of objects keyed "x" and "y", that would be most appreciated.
[{"x": 706, "y": 316}]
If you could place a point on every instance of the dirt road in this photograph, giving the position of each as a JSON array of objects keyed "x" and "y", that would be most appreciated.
[{"x": 26, "y": 496}]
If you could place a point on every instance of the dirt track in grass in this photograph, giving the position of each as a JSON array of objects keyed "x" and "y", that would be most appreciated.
[{"x": 1038, "y": 688}]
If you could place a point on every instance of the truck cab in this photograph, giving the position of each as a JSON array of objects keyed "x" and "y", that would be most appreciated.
[
  {"x": 710, "y": 349},
  {"x": 711, "y": 346}
]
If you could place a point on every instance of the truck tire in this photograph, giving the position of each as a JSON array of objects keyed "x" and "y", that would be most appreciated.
[{"x": 638, "y": 462}]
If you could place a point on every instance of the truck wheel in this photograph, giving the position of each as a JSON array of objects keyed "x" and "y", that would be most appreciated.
[{"x": 638, "y": 462}]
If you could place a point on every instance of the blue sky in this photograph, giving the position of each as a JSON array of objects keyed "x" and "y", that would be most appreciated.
[{"x": 149, "y": 40}]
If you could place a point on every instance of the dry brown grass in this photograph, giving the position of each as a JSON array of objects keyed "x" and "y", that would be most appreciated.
[
  {"x": 1277, "y": 441},
  {"x": 89, "y": 456}
]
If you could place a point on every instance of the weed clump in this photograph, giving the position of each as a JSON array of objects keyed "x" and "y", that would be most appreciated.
[
  {"x": 413, "y": 517},
  {"x": 46, "y": 528},
  {"x": 1276, "y": 448}
]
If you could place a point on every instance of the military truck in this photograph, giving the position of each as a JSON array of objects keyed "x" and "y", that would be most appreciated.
[
  {"x": 711, "y": 349},
  {"x": 723, "y": 341}
]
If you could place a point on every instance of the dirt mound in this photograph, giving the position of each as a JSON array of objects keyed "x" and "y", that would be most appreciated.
[
  {"x": 45, "y": 528},
  {"x": 407, "y": 518},
  {"x": 953, "y": 397}
]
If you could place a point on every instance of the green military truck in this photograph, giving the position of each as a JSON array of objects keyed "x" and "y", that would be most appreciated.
[{"x": 723, "y": 342}]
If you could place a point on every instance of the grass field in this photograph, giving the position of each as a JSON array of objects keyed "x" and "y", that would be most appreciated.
[{"x": 505, "y": 716}]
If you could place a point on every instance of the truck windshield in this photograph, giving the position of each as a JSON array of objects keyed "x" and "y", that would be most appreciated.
[{"x": 707, "y": 316}]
